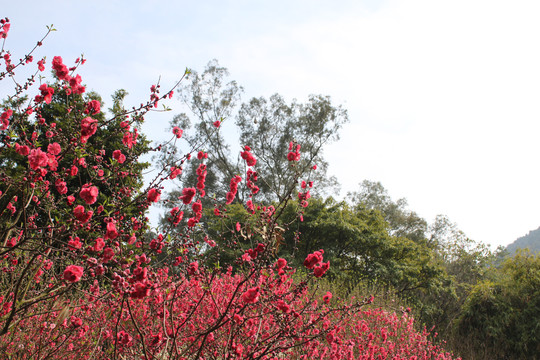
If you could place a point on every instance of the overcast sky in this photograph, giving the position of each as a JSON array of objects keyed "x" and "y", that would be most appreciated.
[{"x": 443, "y": 96}]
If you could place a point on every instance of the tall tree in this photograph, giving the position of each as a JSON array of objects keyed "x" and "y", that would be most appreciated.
[
  {"x": 402, "y": 221},
  {"x": 268, "y": 127}
]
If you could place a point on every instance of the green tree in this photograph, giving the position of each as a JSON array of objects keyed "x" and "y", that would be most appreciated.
[
  {"x": 66, "y": 112},
  {"x": 360, "y": 248},
  {"x": 402, "y": 221},
  {"x": 501, "y": 318}
]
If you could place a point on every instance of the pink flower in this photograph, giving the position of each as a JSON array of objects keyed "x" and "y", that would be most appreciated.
[
  {"x": 293, "y": 156},
  {"x": 187, "y": 195},
  {"x": 89, "y": 194},
  {"x": 99, "y": 245},
  {"x": 321, "y": 270},
  {"x": 80, "y": 215},
  {"x": 46, "y": 93},
  {"x": 313, "y": 259},
  {"x": 233, "y": 189},
  {"x": 283, "y": 306},
  {"x": 178, "y": 132},
  {"x": 61, "y": 70},
  {"x": 61, "y": 186},
  {"x": 217, "y": 123},
  {"x": 281, "y": 263},
  {"x": 129, "y": 139},
  {"x": 177, "y": 215},
  {"x": 193, "y": 268},
  {"x": 248, "y": 156},
  {"x": 88, "y": 128},
  {"x": 153, "y": 195},
  {"x": 22, "y": 150},
  {"x": 197, "y": 207},
  {"x": 108, "y": 254},
  {"x": 118, "y": 156},
  {"x": 37, "y": 159},
  {"x": 74, "y": 244},
  {"x": 251, "y": 296},
  {"x": 175, "y": 172},
  {"x": 111, "y": 233},
  {"x": 140, "y": 291},
  {"x": 93, "y": 107},
  {"x": 73, "y": 273},
  {"x": 4, "y": 119},
  {"x": 54, "y": 148}
]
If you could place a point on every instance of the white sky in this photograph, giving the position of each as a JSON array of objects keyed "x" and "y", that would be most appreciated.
[{"x": 442, "y": 95}]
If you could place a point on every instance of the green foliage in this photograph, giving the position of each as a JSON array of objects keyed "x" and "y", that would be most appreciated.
[
  {"x": 501, "y": 317},
  {"x": 402, "y": 222},
  {"x": 360, "y": 249}
]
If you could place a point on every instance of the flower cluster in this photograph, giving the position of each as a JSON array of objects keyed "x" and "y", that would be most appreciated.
[{"x": 233, "y": 189}]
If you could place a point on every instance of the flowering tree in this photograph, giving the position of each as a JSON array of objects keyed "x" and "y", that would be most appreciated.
[{"x": 81, "y": 279}]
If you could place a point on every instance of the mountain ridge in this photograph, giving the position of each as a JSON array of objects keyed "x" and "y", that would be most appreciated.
[{"x": 530, "y": 241}]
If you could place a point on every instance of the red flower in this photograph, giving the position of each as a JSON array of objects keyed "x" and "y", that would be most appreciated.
[
  {"x": 313, "y": 259},
  {"x": 193, "y": 268},
  {"x": 320, "y": 270},
  {"x": 46, "y": 93},
  {"x": 74, "y": 244},
  {"x": 99, "y": 245},
  {"x": 153, "y": 195},
  {"x": 140, "y": 291},
  {"x": 197, "y": 207},
  {"x": 327, "y": 297},
  {"x": 93, "y": 107},
  {"x": 187, "y": 195},
  {"x": 73, "y": 273},
  {"x": 177, "y": 215},
  {"x": 61, "y": 186},
  {"x": 37, "y": 159},
  {"x": 22, "y": 150},
  {"x": 54, "y": 148},
  {"x": 61, "y": 70},
  {"x": 283, "y": 306},
  {"x": 217, "y": 123},
  {"x": 175, "y": 172},
  {"x": 281, "y": 263},
  {"x": 293, "y": 156},
  {"x": 80, "y": 215},
  {"x": 89, "y": 194},
  {"x": 246, "y": 155},
  {"x": 88, "y": 128},
  {"x": 118, "y": 156},
  {"x": 111, "y": 231},
  {"x": 251, "y": 296},
  {"x": 4, "y": 118},
  {"x": 108, "y": 254},
  {"x": 178, "y": 132},
  {"x": 129, "y": 139}
]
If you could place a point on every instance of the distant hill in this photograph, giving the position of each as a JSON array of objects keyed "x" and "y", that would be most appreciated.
[{"x": 530, "y": 241}]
